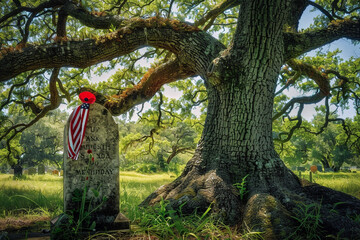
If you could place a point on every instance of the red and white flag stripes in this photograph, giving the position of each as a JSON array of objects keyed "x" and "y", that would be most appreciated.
[{"x": 78, "y": 121}]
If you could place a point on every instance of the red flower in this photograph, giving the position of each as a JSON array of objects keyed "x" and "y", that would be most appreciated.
[
  {"x": 87, "y": 97},
  {"x": 87, "y": 178},
  {"x": 93, "y": 159},
  {"x": 89, "y": 151}
]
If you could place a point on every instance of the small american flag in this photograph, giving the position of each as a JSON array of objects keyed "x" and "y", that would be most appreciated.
[{"x": 78, "y": 121}]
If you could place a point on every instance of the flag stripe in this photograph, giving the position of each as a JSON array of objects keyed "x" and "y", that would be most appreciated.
[{"x": 77, "y": 126}]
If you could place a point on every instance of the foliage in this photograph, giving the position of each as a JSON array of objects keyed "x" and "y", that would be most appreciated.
[
  {"x": 242, "y": 187},
  {"x": 40, "y": 144},
  {"x": 146, "y": 147},
  {"x": 314, "y": 144},
  {"x": 309, "y": 221}
]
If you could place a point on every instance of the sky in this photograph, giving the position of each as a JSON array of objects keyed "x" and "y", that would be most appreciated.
[{"x": 348, "y": 50}]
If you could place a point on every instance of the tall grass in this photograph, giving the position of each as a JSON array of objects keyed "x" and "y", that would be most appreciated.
[
  {"x": 135, "y": 187},
  {"x": 43, "y": 195},
  {"x": 345, "y": 182},
  {"x": 30, "y": 195}
]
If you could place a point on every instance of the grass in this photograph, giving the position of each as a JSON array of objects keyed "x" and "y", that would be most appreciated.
[
  {"x": 30, "y": 195},
  {"x": 135, "y": 187},
  {"x": 345, "y": 182},
  {"x": 37, "y": 198}
]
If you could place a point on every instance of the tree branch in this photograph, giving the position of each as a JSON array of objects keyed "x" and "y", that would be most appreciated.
[
  {"x": 91, "y": 20},
  {"x": 301, "y": 100},
  {"x": 177, "y": 37},
  {"x": 311, "y": 72},
  {"x": 28, "y": 78},
  {"x": 326, "y": 13},
  {"x": 299, "y": 43},
  {"x": 216, "y": 11},
  {"x": 35, "y": 10},
  {"x": 151, "y": 82},
  {"x": 54, "y": 103},
  {"x": 292, "y": 130}
]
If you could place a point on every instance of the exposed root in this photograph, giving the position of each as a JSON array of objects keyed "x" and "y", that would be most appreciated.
[{"x": 270, "y": 210}]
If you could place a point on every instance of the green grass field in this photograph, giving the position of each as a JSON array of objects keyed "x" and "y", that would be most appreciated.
[
  {"x": 345, "y": 182},
  {"x": 38, "y": 198}
]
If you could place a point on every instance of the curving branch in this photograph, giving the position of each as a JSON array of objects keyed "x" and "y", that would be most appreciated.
[
  {"x": 299, "y": 100},
  {"x": 216, "y": 11},
  {"x": 299, "y": 43},
  {"x": 321, "y": 9},
  {"x": 148, "y": 86},
  {"x": 177, "y": 150},
  {"x": 311, "y": 72},
  {"x": 27, "y": 80},
  {"x": 11, "y": 132},
  {"x": 35, "y": 10},
  {"x": 179, "y": 38},
  {"x": 292, "y": 130},
  {"x": 91, "y": 20}
]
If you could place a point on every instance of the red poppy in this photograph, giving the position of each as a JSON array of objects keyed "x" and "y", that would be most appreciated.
[
  {"x": 93, "y": 159},
  {"x": 87, "y": 178},
  {"x": 87, "y": 97},
  {"x": 89, "y": 151}
]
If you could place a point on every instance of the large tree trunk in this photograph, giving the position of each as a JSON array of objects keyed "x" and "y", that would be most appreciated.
[{"x": 237, "y": 138}]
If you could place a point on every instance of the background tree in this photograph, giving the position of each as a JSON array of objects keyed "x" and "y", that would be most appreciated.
[
  {"x": 160, "y": 136},
  {"x": 54, "y": 44},
  {"x": 40, "y": 144},
  {"x": 43, "y": 143}
]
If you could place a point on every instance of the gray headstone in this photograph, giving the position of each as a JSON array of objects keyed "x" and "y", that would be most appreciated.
[
  {"x": 18, "y": 170},
  {"x": 41, "y": 169},
  {"x": 11, "y": 171},
  {"x": 32, "y": 171},
  {"x": 102, "y": 137}
]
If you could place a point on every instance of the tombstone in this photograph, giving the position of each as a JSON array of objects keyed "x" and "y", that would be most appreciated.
[
  {"x": 328, "y": 170},
  {"x": 32, "y": 171},
  {"x": 301, "y": 169},
  {"x": 11, "y": 171},
  {"x": 41, "y": 169},
  {"x": 18, "y": 170},
  {"x": 102, "y": 137},
  {"x": 26, "y": 172},
  {"x": 319, "y": 167},
  {"x": 62, "y": 173}
]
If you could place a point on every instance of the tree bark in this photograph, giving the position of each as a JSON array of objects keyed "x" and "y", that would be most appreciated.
[{"x": 237, "y": 138}]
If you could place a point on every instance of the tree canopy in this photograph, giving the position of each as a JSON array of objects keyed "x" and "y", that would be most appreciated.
[{"x": 50, "y": 48}]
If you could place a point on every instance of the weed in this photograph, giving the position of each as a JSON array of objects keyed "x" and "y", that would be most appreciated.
[
  {"x": 242, "y": 187},
  {"x": 308, "y": 218},
  {"x": 72, "y": 223}
]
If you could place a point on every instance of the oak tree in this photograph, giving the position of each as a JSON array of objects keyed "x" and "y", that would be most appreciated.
[{"x": 48, "y": 48}]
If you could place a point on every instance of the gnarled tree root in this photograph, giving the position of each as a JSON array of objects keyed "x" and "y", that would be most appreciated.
[{"x": 271, "y": 212}]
